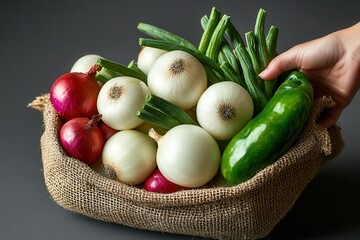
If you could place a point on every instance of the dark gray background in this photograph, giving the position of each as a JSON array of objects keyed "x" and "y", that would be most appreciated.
[{"x": 41, "y": 39}]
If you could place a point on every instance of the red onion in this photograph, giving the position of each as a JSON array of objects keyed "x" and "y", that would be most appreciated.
[
  {"x": 106, "y": 131},
  {"x": 82, "y": 139},
  {"x": 75, "y": 94},
  {"x": 158, "y": 183}
]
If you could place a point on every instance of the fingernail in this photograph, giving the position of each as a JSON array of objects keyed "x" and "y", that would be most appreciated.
[{"x": 262, "y": 74}]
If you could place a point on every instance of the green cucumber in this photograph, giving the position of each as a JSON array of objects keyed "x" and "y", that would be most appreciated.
[{"x": 271, "y": 133}]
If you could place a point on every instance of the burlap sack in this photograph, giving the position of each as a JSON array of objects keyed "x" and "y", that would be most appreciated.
[{"x": 247, "y": 211}]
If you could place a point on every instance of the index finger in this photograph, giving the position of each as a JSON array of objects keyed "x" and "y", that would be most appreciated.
[{"x": 281, "y": 63}]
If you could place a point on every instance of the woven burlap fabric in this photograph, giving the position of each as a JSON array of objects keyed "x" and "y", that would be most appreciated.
[{"x": 247, "y": 211}]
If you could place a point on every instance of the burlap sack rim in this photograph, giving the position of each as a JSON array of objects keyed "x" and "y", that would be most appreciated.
[
  {"x": 247, "y": 211},
  {"x": 193, "y": 196}
]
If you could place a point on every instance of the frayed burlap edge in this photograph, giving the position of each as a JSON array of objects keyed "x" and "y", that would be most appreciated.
[{"x": 247, "y": 211}]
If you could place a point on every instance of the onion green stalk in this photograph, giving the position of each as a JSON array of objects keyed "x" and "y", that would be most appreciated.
[
  {"x": 212, "y": 76},
  {"x": 231, "y": 32},
  {"x": 105, "y": 75},
  {"x": 113, "y": 68},
  {"x": 229, "y": 55},
  {"x": 231, "y": 75},
  {"x": 133, "y": 66},
  {"x": 163, "y": 113},
  {"x": 255, "y": 92},
  {"x": 271, "y": 42},
  {"x": 162, "y": 34},
  {"x": 217, "y": 38},
  {"x": 260, "y": 39},
  {"x": 266, "y": 50},
  {"x": 222, "y": 58},
  {"x": 158, "y": 118},
  {"x": 209, "y": 25},
  {"x": 204, "y": 21},
  {"x": 234, "y": 35},
  {"x": 252, "y": 49}
]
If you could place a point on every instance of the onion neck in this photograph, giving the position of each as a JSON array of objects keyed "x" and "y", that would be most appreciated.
[
  {"x": 93, "y": 70},
  {"x": 94, "y": 120},
  {"x": 155, "y": 135}
]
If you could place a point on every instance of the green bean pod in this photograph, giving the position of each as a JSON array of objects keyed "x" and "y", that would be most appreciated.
[
  {"x": 250, "y": 78},
  {"x": 209, "y": 25}
]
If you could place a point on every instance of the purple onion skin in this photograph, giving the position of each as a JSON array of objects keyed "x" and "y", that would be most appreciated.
[
  {"x": 82, "y": 139},
  {"x": 75, "y": 94},
  {"x": 158, "y": 183}
]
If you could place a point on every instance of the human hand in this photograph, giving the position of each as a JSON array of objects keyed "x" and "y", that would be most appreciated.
[{"x": 332, "y": 64}]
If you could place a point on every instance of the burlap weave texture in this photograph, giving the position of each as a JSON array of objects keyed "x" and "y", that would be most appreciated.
[{"x": 247, "y": 211}]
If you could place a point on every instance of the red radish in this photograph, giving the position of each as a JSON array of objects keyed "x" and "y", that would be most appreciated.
[
  {"x": 75, "y": 94},
  {"x": 82, "y": 139},
  {"x": 158, "y": 183}
]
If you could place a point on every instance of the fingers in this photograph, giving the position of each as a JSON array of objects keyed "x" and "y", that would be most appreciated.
[
  {"x": 283, "y": 62},
  {"x": 331, "y": 118}
]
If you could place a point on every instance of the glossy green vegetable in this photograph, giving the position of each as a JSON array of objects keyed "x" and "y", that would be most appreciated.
[
  {"x": 250, "y": 78},
  {"x": 271, "y": 133},
  {"x": 114, "y": 69},
  {"x": 162, "y": 113},
  {"x": 209, "y": 28}
]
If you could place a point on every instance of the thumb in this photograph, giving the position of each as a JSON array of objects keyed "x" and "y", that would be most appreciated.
[
  {"x": 331, "y": 117},
  {"x": 281, "y": 63}
]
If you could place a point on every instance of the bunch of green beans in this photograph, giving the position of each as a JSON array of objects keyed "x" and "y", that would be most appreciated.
[{"x": 221, "y": 50}]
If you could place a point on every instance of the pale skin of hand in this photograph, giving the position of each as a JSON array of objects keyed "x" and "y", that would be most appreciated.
[{"x": 332, "y": 64}]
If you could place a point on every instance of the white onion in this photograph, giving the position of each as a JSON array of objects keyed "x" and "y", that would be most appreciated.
[
  {"x": 224, "y": 109},
  {"x": 129, "y": 157},
  {"x": 84, "y": 63},
  {"x": 119, "y": 100},
  {"x": 147, "y": 56},
  {"x": 179, "y": 78},
  {"x": 187, "y": 155}
]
